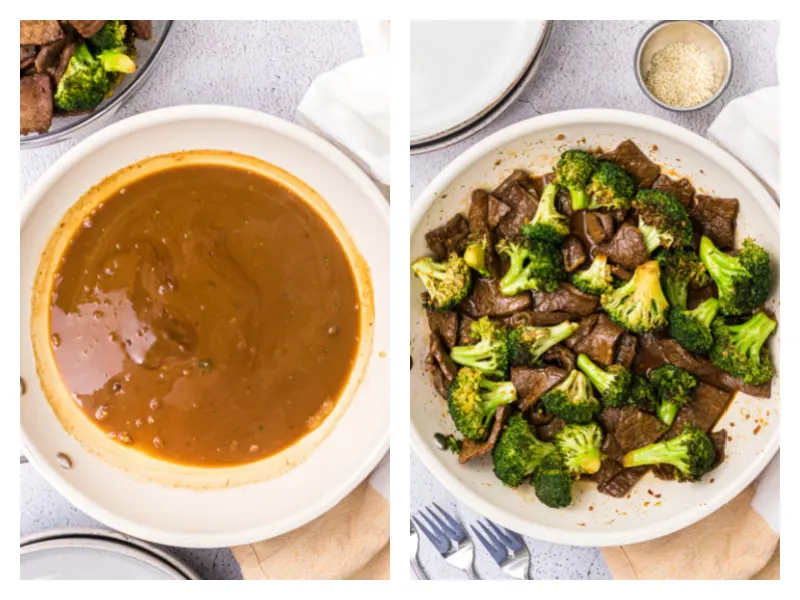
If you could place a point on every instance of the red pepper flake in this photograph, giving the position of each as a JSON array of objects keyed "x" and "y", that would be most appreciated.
[
  {"x": 756, "y": 430},
  {"x": 498, "y": 162},
  {"x": 591, "y": 507},
  {"x": 730, "y": 438},
  {"x": 747, "y": 416},
  {"x": 650, "y": 492},
  {"x": 582, "y": 524},
  {"x": 733, "y": 424},
  {"x": 712, "y": 480},
  {"x": 560, "y": 137},
  {"x": 654, "y": 148},
  {"x": 658, "y": 496}
]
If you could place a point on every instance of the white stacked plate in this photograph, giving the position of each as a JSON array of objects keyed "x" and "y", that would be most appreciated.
[{"x": 464, "y": 74}]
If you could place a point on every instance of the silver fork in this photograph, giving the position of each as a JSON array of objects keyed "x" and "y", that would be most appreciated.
[
  {"x": 414, "y": 550},
  {"x": 449, "y": 538},
  {"x": 506, "y": 548}
]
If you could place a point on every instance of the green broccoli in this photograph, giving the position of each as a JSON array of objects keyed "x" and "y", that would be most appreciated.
[
  {"x": 743, "y": 281},
  {"x": 613, "y": 383},
  {"x": 475, "y": 255},
  {"x": 663, "y": 220},
  {"x": 691, "y": 453},
  {"x": 572, "y": 399},
  {"x": 548, "y": 225},
  {"x": 573, "y": 171},
  {"x": 642, "y": 395},
  {"x": 692, "y": 328},
  {"x": 673, "y": 388},
  {"x": 535, "y": 265},
  {"x": 110, "y": 37},
  {"x": 447, "y": 283},
  {"x": 490, "y": 354},
  {"x": 527, "y": 344},
  {"x": 638, "y": 304},
  {"x": 552, "y": 482},
  {"x": 680, "y": 269},
  {"x": 595, "y": 280},
  {"x": 448, "y": 442},
  {"x": 610, "y": 187},
  {"x": 518, "y": 452},
  {"x": 579, "y": 446},
  {"x": 741, "y": 350},
  {"x": 473, "y": 400},
  {"x": 86, "y": 81}
]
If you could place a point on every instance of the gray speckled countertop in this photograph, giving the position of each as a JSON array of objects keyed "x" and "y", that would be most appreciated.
[
  {"x": 589, "y": 64},
  {"x": 265, "y": 65}
]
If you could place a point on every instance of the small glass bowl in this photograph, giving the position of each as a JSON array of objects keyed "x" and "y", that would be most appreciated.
[{"x": 147, "y": 54}]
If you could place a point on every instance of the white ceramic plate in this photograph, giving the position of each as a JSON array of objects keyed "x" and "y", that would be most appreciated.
[
  {"x": 217, "y": 515},
  {"x": 534, "y": 145},
  {"x": 461, "y": 69}
]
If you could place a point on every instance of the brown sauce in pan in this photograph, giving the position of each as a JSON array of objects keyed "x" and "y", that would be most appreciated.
[{"x": 205, "y": 315}]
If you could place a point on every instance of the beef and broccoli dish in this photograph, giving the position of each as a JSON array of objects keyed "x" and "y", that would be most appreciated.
[
  {"x": 594, "y": 322},
  {"x": 69, "y": 67}
]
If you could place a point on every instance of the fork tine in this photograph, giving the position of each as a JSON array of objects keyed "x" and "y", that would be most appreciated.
[
  {"x": 498, "y": 554},
  {"x": 439, "y": 543},
  {"x": 435, "y": 527},
  {"x": 511, "y": 539},
  {"x": 457, "y": 528},
  {"x": 448, "y": 531},
  {"x": 491, "y": 535}
]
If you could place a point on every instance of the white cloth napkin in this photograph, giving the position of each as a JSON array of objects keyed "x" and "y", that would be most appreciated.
[{"x": 350, "y": 104}]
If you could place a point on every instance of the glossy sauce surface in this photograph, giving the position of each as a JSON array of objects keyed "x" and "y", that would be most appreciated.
[{"x": 205, "y": 315}]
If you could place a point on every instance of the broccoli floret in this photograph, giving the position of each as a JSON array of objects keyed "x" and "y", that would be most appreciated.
[
  {"x": 475, "y": 256},
  {"x": 552, "y": 482},
  {"x": 638, "y": 304},
  {"x": 692, "y": 328},
  {"x": 680, "y": 269},
  {"x": 448, "y": 442},
  {"x": 610, "y": 187},
  {"x": 595, "y": 280},
  {"x": 613, "y": 383},
  {"x": 518, "y": 452},
  {"x": 743, "y": 281},
  {"x": 741, "y": 349},
  {"x": 691, "y": 453},
  {"x": 663, "y": 220},
  {"x": 573, "y": 171},
  {"x": 473, "y": 400},
  {"x": 673, "y": 388},
  {"x": 86, "y": 81},
  {"x": 572, "y": 399},
  {"x": 447, "y": 283},
  {"x": 579, "y": 446},
  {"x": 527, "y": 344},
  {"x": 547, "y": 224},
  {"x": 110, "y": 37},
  {"x": 535, "y": 265},
  {"x": 642, "y": 395},
  {"x": 490, "y": 354}
]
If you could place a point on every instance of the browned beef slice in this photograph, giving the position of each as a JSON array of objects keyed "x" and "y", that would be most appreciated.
[
  {"x": 539, "y": 416},
  {"x": 445, "y": 323},
  {"x": 470, "y": 449},
  {"x": 650, "y": 355},
  {"x": 707, "y": 406},
  {"x": 485, "y": 299},
  {"x": 621, "y": 272},
  {"x": 39, "y": 33},
  {"x": 547, "y": 432},
  {"x": 439, "y": 352},
  {"x": 35, "y": 104},
  {"x": 448, "y": 238},
  {"x": 57, "y": 72},
  {"x": 626, "y": 349},
  {"x": 622, "y": 483},
  {"x": 716, "y": 218},
  {"x": 142, "y": 29},
  {"x": 628, "y": 156},
  {"x": 531, "y": 383},
  {"x": 632, "y": 428},
  {"x": 567, "y": 298},
  {"x": 87, "y": 28},
  {"x": 27, "y": 54},
  {"x": 437, "y": 377},
  {"x": 592, "y": 227},
  {"x": 48, "y": 55},
  {"x": 720, "y": 441},
  {"x": 626, "y": 248},
  {"x": 517, "y": 193},
  {"x": 532, "y": 318},
  {"x": 574, "y": 253},
  {"x": 681, "y": 189},
  {"x": 497, "y": 210},
  {"x": 517, "y": 177},
  {"x": 465, "y": 337},
  {"x": 478, "y": 215},
  {"x": 562, "y": 356},
  {"x": 596, "y": 337},
  {"x": 699, "y": 295}
]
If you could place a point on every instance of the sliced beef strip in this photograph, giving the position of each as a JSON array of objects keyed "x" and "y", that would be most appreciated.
[
  {"x": 592, "y": 228},
  {"x": 485, "y": 299},
  {"x": 87, "y": 28},
  {"x": 539, "y": 416},
  {"x": 628, "y": 156},
  {"x": 439, "y": 352},
  {"x": 35, "y": 104},
  {"x": 635, "y": 428},
  {"x": 699, "y": 295},
  {"x": 520, "y": 196},
  {"x": 716, "y": 218},
  {"x": 681, "y": 189},
  {"x": 465, "y": 337},
  {"x": 546, "y": 433},
  {"x": 470, "y": 449},
  {"x": 445, "y": 323},
  {"x": 720, "y": 441},
  {"x": 562, "y": 356},
  {"x": 621, "y": 272},
  {"x": 596, "y": 337},
  {"x": 39, "y": 33},
  {"x": 622, "y": 483},
  {"x": 626, "y": 349},
  {"x": 49, "y": 55},
  {"x": 532, "y": 383},
  {"x": 532, "y": 318},
  {"x": 142, "y": 29},
  {"x": 448, "y": 238},
  {"x": 507, "y": 188},
  {"x": 497, "y": 210},
  {"x": 574, "y": 253},
  {"x": 567, "y": 298},
  {"x": 27, "y": 55},
  {"x": 440, "y": 383},
  {"x": 479, "y": 226},
  {"x": 626, "y": 248},
  {"x": 57, "y": 72},
  {"x": 650, "y": 355}
]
